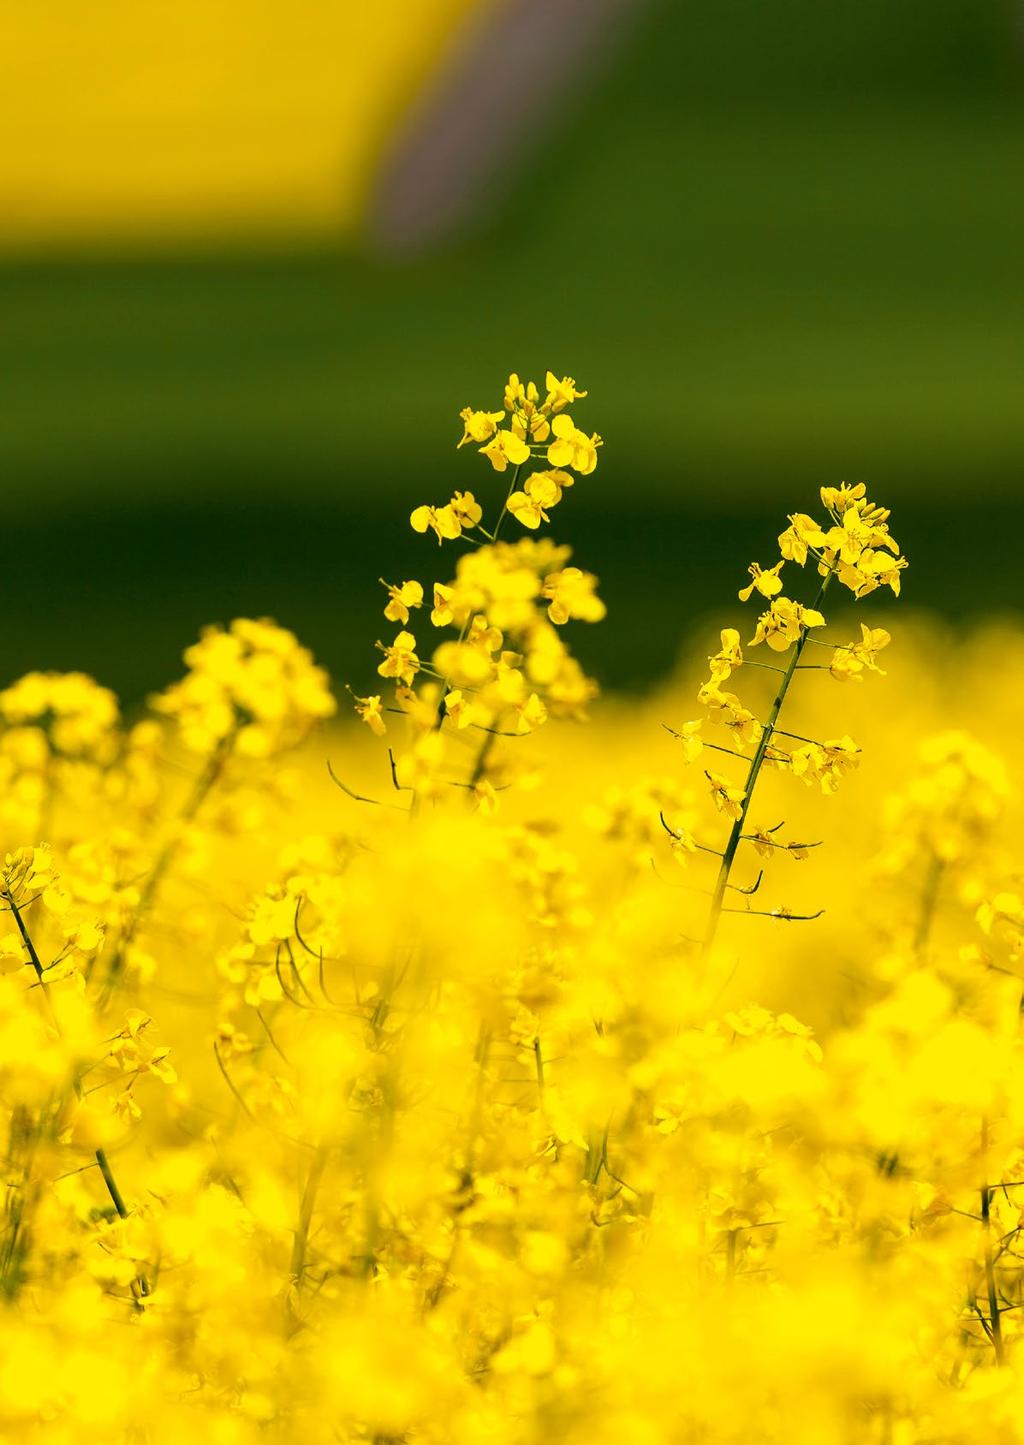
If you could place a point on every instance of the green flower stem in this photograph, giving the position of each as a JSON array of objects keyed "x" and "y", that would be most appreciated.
[
  {"x": 994, "y": 1310},
  {"x": 100, "y": 1155},
  {"x": 203, "y": 785},
  {"x": 929, "y": 902},
  {"x": 300, "y": 1238},
  {"x": 767, "y": 732}
]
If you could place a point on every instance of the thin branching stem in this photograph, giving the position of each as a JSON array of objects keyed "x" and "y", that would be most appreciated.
[
  {"x": 203, "y": 784},
  {"x": 307, "y": 1204},
  {"x": 768, "y": 729},
  {"x": 100, "y": 1155},
  {"x": 929, "y": 902}
]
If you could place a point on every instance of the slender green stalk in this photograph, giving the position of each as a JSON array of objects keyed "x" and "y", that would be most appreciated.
[
  {"x": 301, "y": 1237},
  {"x": 767, "y": 732},
  {"x": 995, "y": 1322},
  {"x": 929, "y": 901},
  {"x": 19, "y": 1198},
  {"x": 30, "y": 948},
  {"x": 103, "y": 1163},
  {"x": 481, "y": 1055},
  {"x": 508, "y": 497},
  {"x": 203, "y": 784},
  {"x": 116, "y": 1197},
  {"x": 994, "y": 1311},
  {"x": 480, "y": 764}
]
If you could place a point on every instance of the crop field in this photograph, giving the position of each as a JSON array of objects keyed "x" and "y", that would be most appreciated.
[{"x": 445, "y": 1053}]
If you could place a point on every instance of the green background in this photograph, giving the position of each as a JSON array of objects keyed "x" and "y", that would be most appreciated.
[{"x": 780, "y": 243}]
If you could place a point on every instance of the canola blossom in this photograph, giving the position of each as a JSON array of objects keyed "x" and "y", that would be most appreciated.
[{"x": 501, "y": 1064}]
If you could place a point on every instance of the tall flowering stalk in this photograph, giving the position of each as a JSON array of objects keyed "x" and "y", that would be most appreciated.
[
  {"x": 854, "y": 547},
  {"x": 507, "y": 668},
  {"x": 498, "y": 670}
]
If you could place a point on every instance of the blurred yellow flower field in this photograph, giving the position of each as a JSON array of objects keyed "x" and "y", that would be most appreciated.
[
  {"x": 523, "y": 1066},
  {"x": 162, "y": 122}
]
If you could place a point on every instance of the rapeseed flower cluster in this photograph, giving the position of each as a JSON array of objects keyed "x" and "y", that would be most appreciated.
[
  {"x": 392, "y": 1084},
  {"x": 499, "y": 663}
]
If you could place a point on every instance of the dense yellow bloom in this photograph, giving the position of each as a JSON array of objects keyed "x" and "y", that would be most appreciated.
[
  {"x": 857, "y": 547},
  {"x": 506, "y": 669},
  {"x": 425, "y": 1099},
  {"x": 252, "y": 686}
]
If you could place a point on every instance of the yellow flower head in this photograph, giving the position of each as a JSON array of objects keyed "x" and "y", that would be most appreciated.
[
  {"x": 572, "y": 447},
  {"x": 252, "y": 683},
  {"x": 767, "y": 582},
  {"x": 561, "y": 393},
  {"x": 856, "y": 658},
  {"x": 441, "y": 520},
  {"x": 726, "y": 798},
  {"x": 825, "y": 763},
  {"x": 730, "y": 656},
  {"x": 740, "y": 722},
  {"x": 542, "y": 490},
  {"x": 68, "y": 713},
  {"x": 840, "y": 499},
  {"x": 517, "y": 394},
  {"x": 400, "y": 660},
  {"x": 463, "y": 512},
  {"x": 783, "y": 623},
  {"x": 571, "y": 593},
  {"x": 370, "y": 709},
  {"x": 506, "y": 447},
  {"x": 478, "y": 426},
  {"x": 802, "y": 533},
  {"x": 690, "y": 737},
  {"x": 401, "y": 598}
]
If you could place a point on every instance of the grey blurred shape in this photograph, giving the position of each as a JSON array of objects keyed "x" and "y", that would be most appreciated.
[{"x": 509, "y": 73}]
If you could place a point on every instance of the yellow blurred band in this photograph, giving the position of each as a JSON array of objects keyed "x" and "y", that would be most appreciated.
[{"x": 162, "y": 121}]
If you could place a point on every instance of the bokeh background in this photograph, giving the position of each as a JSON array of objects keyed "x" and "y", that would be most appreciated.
[{"x": 254, "y": 258}]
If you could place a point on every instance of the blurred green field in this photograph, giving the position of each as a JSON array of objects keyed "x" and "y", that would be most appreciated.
[
  {"x": 779, "y": 244},
  {"x": 847, "y": 299}
]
